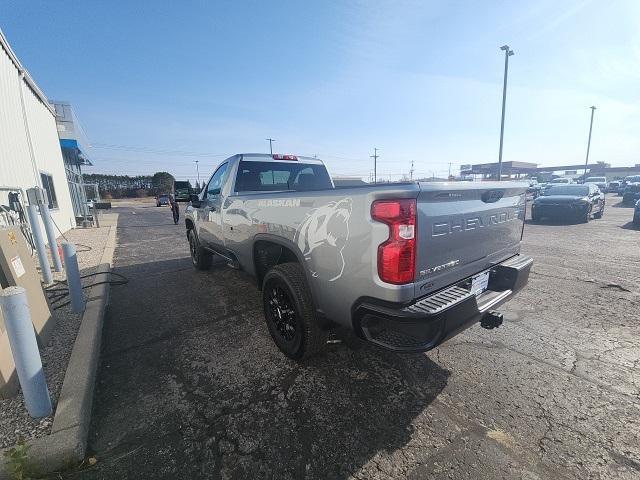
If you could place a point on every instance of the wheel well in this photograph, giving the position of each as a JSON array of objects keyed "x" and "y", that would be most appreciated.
[{"x": 269, "y": 254}]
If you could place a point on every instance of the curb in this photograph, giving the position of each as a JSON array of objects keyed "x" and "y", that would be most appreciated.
[{"x": 66, "y": 445}]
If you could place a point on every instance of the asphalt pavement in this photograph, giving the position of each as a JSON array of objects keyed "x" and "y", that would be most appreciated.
[{"x": 191, "y": 385}]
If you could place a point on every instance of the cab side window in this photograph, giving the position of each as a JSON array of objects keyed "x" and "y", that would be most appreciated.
[{"x": 217, "y": 180}]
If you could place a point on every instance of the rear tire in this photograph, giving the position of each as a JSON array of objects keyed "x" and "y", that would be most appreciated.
[
  {"x": 289, "y": 313},
  {"x": 200, "y": 257}
]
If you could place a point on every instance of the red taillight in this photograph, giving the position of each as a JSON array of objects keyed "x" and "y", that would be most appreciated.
[
  {"x": 284, "y": 157},
  {"x": 397, "y": 255}
]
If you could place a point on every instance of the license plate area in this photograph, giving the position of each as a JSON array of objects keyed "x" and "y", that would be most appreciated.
[{"x": 480, "y": 282}]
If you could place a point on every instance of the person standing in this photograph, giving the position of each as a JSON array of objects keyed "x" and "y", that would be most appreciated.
[{"x": 175, "y": 210}]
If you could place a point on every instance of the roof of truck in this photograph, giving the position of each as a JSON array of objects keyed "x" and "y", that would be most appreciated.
[{"x": 266, "y": 157}]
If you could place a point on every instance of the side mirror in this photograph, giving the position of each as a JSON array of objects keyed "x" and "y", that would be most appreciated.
[{"x": 195, "y": 200}]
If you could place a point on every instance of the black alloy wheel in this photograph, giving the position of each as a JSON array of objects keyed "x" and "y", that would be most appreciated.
[
  {"x": 282, "y": 314},
  {"x": 290, "y": 314}
]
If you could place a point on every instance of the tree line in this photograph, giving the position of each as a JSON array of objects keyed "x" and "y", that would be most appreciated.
[{"x": 125, "y": 186}]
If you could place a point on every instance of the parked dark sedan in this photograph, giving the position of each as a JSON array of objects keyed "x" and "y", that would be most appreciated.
[
  {"x": 631, "y": 194},
  {"x": 579, "y": 202}
]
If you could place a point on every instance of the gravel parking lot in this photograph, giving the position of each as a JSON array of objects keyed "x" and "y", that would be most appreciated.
[{"x": 191, "y": 385}]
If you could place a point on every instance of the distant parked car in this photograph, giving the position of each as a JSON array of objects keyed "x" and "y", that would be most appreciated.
[
  {"x": 559, "y": 181},
  {"x": 613, "y": 187},
  {"x": 162, "y": 200},
  {"x": 636, "y": 214},
  {"x": 569, "y": 201},
  {"x": 631, "y": 194},
  {"x": 601, "y": 182},
  {"x": 534, "y": 188},
  {"x": 626, "y": 182}
]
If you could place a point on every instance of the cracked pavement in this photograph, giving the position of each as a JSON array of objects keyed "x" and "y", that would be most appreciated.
[{"x": 191, "y": 385}]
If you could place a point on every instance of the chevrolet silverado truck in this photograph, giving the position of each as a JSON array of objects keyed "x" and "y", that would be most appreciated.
[{"x": 406, "y": 266}]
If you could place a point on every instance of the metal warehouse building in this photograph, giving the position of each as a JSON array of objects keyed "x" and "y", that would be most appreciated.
[{"x": 30, "y": 153}]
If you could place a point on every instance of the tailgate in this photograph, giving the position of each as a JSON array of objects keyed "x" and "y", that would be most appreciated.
[{"x": 464, "y": 228}]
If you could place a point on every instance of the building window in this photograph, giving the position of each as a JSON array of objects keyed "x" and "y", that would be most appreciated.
[{"x": 47, "y": 184}]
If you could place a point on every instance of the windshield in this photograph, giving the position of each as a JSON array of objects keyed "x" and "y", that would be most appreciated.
[
  {"x": 595, "y": 180},
  {"x": 577, "y": 190},
  {"x": 560, "y": 180},
  {"x": 633, "y": 179},
  {"x": 275, "y": 176}
]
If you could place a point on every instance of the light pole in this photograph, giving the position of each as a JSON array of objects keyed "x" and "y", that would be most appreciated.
[
  {"x": 507, "y": 53},
  {"x": 271, "y": 140},
  {"x": 586, "y": 162},
  {"x": 198, "y": 170},
  {"x": 375, "y": 165}
]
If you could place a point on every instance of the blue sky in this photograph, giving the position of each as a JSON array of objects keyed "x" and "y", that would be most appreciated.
[{"x": 160, "y": 84}]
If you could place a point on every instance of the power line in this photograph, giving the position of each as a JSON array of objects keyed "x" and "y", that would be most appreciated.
[{"x": 157, "y": 151}]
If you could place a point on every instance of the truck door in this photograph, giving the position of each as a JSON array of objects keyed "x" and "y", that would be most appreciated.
[{"x": 210, "y": 211}]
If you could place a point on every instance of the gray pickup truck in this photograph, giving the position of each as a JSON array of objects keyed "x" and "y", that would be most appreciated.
[{"x": 405, "y": 266}]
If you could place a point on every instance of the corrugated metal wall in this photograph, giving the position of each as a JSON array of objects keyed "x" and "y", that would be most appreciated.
[{"x": 16, "y": 166}]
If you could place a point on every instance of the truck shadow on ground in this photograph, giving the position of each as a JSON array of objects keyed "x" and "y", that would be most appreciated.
[
  {"x": 629, "y": 226},
  {"x": 192, "y": 386},
  {"x": 621, "y": 204},
  {"x": 554, "y": 222}
]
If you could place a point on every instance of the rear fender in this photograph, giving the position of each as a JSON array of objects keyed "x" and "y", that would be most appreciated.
[{"x": 288, "y": 244}]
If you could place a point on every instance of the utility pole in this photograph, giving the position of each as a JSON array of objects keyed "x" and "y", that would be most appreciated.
[
  {"x": 449, "y": 171},
  {"x": 375, "y": 165},
  {"x": 198, "y": 170},
  {"x": 507, "y": 53},
  {"x": 411, "y": 171},
  {"x": 271, "y": 140},
  {"x": 586, "y": 162}
]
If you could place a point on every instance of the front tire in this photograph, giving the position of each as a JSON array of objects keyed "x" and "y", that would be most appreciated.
[
  {"x": 289, "y": 312},
  {"x": 600, "y": 213},
  {"x": 201, "y": 258}
]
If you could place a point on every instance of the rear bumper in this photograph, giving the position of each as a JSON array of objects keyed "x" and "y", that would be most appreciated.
[{"x": 431, "y": 320}]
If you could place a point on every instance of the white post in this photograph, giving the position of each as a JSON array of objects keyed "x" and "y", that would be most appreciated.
[
  {"x": 32, "y": 212},
  {"x": 51, "y": 236},
  {"x": 73, "y": 277},
  {"x": 24, "y": 348}
]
